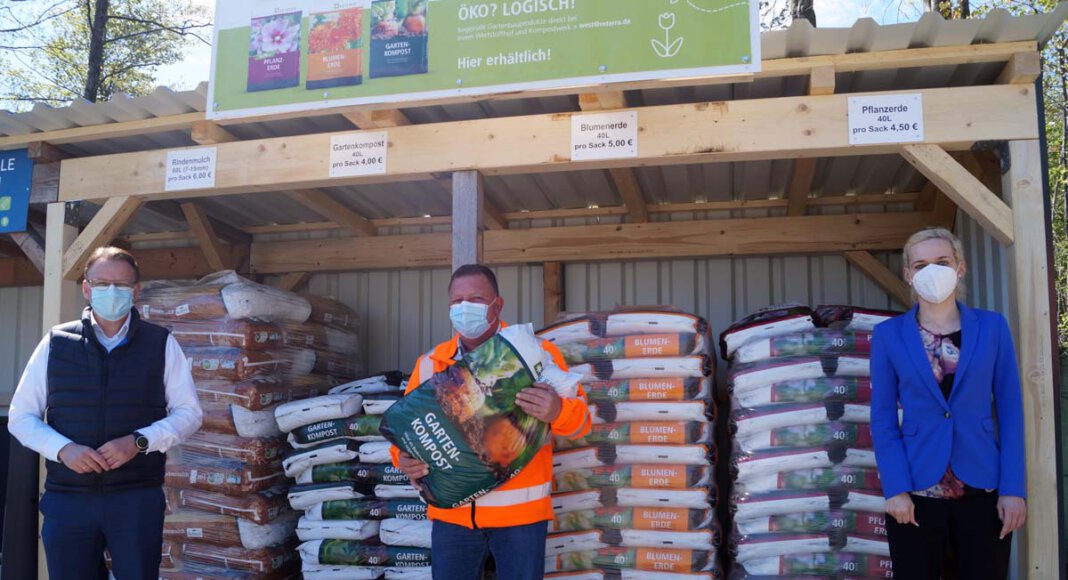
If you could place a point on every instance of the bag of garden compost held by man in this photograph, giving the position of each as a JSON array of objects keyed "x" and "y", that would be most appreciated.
[{"x": 464, "y": 423}]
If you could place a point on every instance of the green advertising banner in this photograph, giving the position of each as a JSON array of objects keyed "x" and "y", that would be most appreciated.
[{"x": 273, "y": 56}]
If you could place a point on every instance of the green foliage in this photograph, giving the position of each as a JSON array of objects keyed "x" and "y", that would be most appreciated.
[{"x": 48, "y": 59}]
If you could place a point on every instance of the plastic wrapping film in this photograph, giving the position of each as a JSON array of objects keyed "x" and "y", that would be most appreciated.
[
  {"x": 464, "y": 423},
  {"x": 356, "y": 553},
  {"x": 252, "y": 350},
  {"x": 260, "y": 508},
  {"x": 251, "y": 450},
  {"x": 806, "y": 497},
  {"x": 637, "y": 494},
  {"x": 227, "y": 531},
  {"x": 645, "y": 559},
  {"x": 262, "y": 393},
  {"x": 630, "y": 575},
  {"x": 226, "y": 476},
  {"x": 194, "y": 571}
]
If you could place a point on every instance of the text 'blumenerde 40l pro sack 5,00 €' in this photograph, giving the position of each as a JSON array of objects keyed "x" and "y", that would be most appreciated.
[{"x": 464, "y": 423}]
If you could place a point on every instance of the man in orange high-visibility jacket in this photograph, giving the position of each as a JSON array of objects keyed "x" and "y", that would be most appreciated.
[{"x": 510, "y": 522}]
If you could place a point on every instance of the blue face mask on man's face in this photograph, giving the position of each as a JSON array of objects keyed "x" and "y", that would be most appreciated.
[
  {"x": 111, "y": 302},
  {"x": 470, "y": 319}
]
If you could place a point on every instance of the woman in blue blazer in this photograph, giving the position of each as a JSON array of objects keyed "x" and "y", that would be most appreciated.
[{"x": 953, "y": 465}]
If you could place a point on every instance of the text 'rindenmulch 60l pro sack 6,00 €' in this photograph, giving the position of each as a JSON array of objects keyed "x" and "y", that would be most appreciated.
[{"x": 464, "y": 423}]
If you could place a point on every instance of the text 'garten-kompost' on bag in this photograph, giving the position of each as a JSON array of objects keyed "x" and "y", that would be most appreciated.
[{"x": 464, "y": 423}]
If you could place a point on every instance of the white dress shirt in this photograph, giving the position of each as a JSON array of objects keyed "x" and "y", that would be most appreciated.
[{"x": 28, "y": 406}]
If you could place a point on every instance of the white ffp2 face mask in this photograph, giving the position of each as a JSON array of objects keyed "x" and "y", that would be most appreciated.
[{"x": 935, "y": 283}]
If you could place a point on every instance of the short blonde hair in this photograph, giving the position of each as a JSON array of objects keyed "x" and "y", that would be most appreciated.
[{"x": 937, "y": 234}]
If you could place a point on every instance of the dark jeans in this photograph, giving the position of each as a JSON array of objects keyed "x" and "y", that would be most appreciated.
[
  {"x": 79, "y": 526},
  {"x": 969, "y": 526},
  {"x": 460, "y": 553}
]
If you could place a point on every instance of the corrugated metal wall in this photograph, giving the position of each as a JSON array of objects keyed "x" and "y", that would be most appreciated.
[
  {"x": 405, "y": 312},
  {"x": 20, "y": 331}
]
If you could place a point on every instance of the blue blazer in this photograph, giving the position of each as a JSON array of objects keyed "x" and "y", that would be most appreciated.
[{"x": 935, "y": 433}]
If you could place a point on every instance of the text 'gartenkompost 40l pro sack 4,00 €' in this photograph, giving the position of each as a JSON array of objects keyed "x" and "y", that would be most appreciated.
[{"x": 464, "y": 423}]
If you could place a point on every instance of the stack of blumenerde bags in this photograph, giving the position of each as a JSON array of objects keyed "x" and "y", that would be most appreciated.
[
  {"x": 251, "y": 348},
  {"x": 635, "y": 497},
  {"x": 806, "y": 498},
  {"x": 361, "y": 517}
]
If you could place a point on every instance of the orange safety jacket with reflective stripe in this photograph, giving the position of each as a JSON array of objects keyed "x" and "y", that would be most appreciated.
[{"x": 524, "y": 499}]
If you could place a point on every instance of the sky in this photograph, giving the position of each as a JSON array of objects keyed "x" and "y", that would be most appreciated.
[{"x": 196, "y": 66}]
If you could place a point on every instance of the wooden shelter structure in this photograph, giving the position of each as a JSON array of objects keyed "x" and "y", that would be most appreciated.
[{"x": 741, "y": 166}]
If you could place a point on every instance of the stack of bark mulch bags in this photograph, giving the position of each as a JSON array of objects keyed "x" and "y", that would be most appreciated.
[
  {"x": 252, "y": 348},
  {"x": 806, "y": 499},
  {"x": 361, "y": 518},
  {"x": 635, "y": 498}
]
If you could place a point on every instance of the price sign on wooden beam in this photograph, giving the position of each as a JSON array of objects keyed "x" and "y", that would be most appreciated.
[
  {"x": 604, "y": 136},
  {"x": 885, "y": 119},
  {"x": 190, "y": 169},
  {"x": 355, "y": 154}
]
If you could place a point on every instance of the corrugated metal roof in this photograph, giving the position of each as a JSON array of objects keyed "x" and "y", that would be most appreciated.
[{"x": 672, "y": 184}]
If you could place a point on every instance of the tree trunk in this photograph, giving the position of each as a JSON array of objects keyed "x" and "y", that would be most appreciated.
[
  {"x": 98, "y": 25},
  {"x": 803, "y": 9}
]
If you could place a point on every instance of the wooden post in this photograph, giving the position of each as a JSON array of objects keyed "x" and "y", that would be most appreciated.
[
  {"x": 553, "y": 282},
  {"x": 467, "y": 194},
  {"x": 62, "y": 301},
  {"x": 1023, "y": 185}
]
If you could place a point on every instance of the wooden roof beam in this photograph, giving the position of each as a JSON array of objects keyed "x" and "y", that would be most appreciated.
[
  {"x": 172, "y": 210},
  {"x": 323, "y": 204},
  {"x": 881, "y": 275},
  {"x": 377, "y": 119},
  {"x": 294, "y": 281},
  {"x": 963, "y": 188},
  {"x": 200, "y": 225},
  {"x": 31, "y": 246},
  {"x": 759, "y": 129},
  {"x": 104, "y": 227},
  {"x": 657, "y": 240},
  {"x": 1023, "y": 68},
  {"x": 821, "y": 81},
  {"x": 210, "y": 133},
  {"x": 624, "y": 179}
]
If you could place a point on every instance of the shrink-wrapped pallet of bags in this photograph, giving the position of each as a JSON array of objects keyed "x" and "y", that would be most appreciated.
[
  {"x": 251, "y": 348},
  {"x": 635, "y": 497},
  {"x": 361, "y": 518},
  {"x": 806, "y": 499}
]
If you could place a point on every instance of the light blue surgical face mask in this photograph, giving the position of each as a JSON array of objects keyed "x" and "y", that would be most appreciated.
[
  {"x": 470, "y": 319},
  {"x": 110, "y": 302}
]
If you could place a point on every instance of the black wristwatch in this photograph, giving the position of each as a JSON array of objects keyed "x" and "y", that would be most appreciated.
[{"x": 141, "y": 442}]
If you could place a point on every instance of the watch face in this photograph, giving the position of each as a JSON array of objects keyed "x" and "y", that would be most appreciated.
[{"x": 141, "y": 442}]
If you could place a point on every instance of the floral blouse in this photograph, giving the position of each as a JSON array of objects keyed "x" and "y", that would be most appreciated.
[{"x": 943, "y": 352}]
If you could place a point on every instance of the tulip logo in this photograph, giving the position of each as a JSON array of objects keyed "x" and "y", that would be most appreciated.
[{"x": 667, "y": 48}]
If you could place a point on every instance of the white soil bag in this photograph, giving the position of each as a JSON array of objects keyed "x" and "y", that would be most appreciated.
[
  {"x": 231, "y": 419},
  {"x": 823, "y": 565},
  {"x": 375, "y": 452},
  {"x": 650, "y": 411},
  {"x": 398, "y": 532},
  {"x": 749, "y": 421},
  {"x": 378, "y": 404},
  {"x": 331, "y": 452},
  {"x": 415, "y": 573},
  {"x": 639, "y": 475},
  {"x": 697, "y": 366},
  {"x": 765, "y": 374},
  {"x": 819, "y": 478},
  {"x": 384, "y": 491},
  {"x": 353, "y": 553},
  {"x": 867, "y": 524},
  {"x": 308, "y": 411},
  {"x": 602, "y": 456},
  {"x": 631, "y": 497},
  {"x": 314, "y": 572},
  {"x": 368, "y": 509},
  {"x": 309, "y": 530},
  {"x": 303, "y": 497},
  {"x": 772, "y": 321},
  {"x": 385, "y": 383},
  {"x": 775, "y": 461}
]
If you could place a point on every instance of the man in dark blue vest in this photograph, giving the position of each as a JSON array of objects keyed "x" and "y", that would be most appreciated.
[{"x": 102, "y": 399}]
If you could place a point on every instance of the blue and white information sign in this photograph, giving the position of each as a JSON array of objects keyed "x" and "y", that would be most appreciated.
[{"x": 16, "y": 174}]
